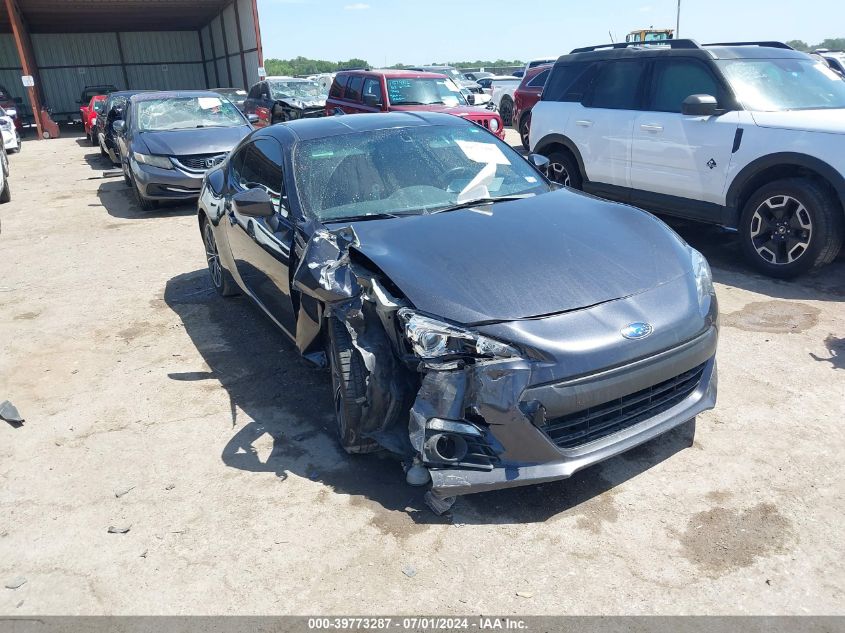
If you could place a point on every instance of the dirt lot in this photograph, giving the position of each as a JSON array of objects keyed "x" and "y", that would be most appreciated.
[{"x": 133, "y": 375}]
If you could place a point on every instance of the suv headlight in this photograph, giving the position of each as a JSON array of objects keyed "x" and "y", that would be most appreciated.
[
  {"x": 703, "y": 280},
  {"x": 432, "y": 339},
  {"x": 152, "y": 160},
  {"x": 6, "y": 125}
]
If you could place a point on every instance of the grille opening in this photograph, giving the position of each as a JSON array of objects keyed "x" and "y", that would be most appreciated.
[{"x": 594, "y": 423}]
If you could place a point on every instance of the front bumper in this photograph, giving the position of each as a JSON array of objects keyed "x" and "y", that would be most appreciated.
[
  {"x": 520, "y": 420},
  {"x": 166, "y": 184}
]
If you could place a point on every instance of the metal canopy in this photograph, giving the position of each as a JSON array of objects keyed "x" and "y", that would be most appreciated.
[{"x": 92, "y": 16}]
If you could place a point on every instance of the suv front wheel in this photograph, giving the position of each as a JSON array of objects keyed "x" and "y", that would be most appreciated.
[{"x": 789, "y": 226}]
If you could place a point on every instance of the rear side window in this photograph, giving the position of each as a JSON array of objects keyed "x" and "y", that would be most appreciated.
[
  {"x": 616, "y": 86},
  {"x": 540, "y": 80},
  {"x": 568, "y": 81},
  {"x": 338, "y": 85},
  {"x": 353, "y": 90},
  {"x": 677, "y": 79}
]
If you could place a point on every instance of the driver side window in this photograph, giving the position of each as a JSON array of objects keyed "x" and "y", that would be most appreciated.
[{"x": 259, "y": 165}]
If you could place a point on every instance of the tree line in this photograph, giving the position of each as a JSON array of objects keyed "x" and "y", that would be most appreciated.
[
  {"x": 831, "y": 44},
  {"x": 305, "y": 66}
]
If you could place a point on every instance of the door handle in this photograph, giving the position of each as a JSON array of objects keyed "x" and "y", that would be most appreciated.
[
  {"x": 584, "y": 123},
  {"x": 650, "y": 127}
]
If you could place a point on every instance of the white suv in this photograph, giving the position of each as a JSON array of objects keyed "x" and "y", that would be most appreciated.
[{"x": 748, "y": 135}]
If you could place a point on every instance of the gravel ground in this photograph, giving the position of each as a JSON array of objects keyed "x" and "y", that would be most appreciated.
[{"x": 153, "y": 405}]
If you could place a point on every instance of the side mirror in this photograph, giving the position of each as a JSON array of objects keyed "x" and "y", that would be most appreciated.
[
  {"x": 255, "y": 203},
  {"x": 216, "y": 179},
  {"x": 119, "y": 126},
  {"x": 471, "y": 99},
  {"x": 372, "y": 101},
  {"x": 700, "y": 105},
  {"x": 540, "y": 162},
  {"x": 252, "y": 118}
]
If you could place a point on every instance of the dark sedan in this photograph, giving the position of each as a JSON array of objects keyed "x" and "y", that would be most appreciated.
[
  {"x": 489, "y": 329},
  {"x": 168, "y": 140}
]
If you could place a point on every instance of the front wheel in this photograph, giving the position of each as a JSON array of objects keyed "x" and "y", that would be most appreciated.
[
  {"x": 349, "y": 388},
  {"x": 144, "y": 203},
  {"x": 790, "y": 226},
  {"x": 6, "y": 193}
]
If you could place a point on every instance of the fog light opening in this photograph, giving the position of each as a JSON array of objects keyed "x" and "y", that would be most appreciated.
[{"x": 447, "y": 447}]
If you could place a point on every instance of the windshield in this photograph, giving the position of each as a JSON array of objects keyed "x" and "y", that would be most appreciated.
[
  {"x": 424, "y": 92},
  {"x": 305, "y": 90},
  {"x": 183, "y": 113},
  {"x": 407, "y": 172},
  {"x": 771, "y": 85}
]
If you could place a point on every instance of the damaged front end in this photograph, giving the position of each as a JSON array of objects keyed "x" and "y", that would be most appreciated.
[{"x": 469, "y": 412}]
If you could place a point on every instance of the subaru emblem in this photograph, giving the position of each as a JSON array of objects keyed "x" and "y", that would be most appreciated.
[{"x": 636, "y": 331}]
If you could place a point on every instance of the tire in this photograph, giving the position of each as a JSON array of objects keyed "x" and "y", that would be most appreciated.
[
  {"x": 563, "y": 169},
  {"x": 94, "y": 141},
  {"x": 524, "y": 130},
  {"x": 790, "y": 226},
  {"x": 103, "y": 152},
  {"x": 145, "y": 204},
  {"x": 221, "y": 280},
  {"x": 506, "y": 110},
  {"x": 126, "y": 177},
  {"x": 349, "y": 388},
  {"x": 6, "y": 194}
]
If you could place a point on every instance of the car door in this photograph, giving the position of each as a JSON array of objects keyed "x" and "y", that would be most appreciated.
[
  {"x": 676, "y": 155},
  {"x": 123, "y": 139},
  {"x": 352, "y": 95},
  {"x": 261, "y": 247},
  {"x": 602, "y": 124}
]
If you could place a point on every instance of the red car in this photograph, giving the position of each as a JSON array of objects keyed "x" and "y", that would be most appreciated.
[
  {"x": 361, "y": 91},
  {"x": 524, "y": 98},
  {"x": 89, "y": 116}
]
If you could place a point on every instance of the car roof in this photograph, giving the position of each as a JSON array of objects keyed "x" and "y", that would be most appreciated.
[
  {"x": 391, "y": 73},
  {"x": 685, "y": 48},
  {"x": 309, "y": 129}
]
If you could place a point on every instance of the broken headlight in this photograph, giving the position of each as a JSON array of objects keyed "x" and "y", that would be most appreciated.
[{"x": 431, "y": 339}]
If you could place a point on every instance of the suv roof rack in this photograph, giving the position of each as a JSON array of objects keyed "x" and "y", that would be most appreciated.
[
  {"x": 669, "y": 43},
  {"x": 768, "y": 44}
]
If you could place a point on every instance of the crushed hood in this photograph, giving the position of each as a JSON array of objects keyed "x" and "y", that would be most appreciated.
[
  {"x": 209, "y": 140},
  {"x": 304, "y": 104},
  {"x": 831, "y": 121},
  {"x": 551, "y": 253}
]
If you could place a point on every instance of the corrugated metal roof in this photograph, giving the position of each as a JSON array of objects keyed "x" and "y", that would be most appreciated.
[{"x": 80, "y": 16}]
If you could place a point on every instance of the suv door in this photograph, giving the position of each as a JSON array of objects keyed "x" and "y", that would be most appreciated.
[
  {"x": 602, "y": 124},
  {"x": 261, "y": 247},
  {"x": 352, "y": 96},
  {"x": 680, "y": 156}
]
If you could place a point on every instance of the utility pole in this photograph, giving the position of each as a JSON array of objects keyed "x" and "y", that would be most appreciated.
[{"x": 678, "y": 21}]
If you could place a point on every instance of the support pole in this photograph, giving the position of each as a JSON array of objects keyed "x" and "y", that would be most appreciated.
[{"x": 24, "y": 46}]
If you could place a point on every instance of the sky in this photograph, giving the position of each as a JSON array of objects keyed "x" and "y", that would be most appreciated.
[{"x": 425, "y": 31}]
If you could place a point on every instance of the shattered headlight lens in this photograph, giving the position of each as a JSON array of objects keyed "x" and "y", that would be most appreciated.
[
  {"x": 432, "y": 339},
  {"x": 162, "y": 162},
  {"x": 703, "y": 280}
]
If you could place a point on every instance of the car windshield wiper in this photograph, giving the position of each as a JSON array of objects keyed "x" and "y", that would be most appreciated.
[
  {"x": 479, "y": 201},
  {"x": 362, "y": 217}
]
